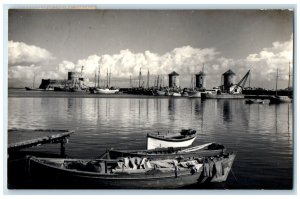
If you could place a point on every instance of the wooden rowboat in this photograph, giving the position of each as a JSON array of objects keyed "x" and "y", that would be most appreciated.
[
  {"x": 208, "y": 149},
  {"x": 147, "y": 174},
  {"x": 184, "y": 139}
]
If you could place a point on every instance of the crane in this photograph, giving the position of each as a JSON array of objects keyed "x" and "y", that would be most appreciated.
[{"x": 241, "y": 83}]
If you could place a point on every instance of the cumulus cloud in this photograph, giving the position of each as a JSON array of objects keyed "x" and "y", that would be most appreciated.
[
  {"x": 185, "y": 60},
  {"x": 127, "y": 63},
  {"x": 24, "y": 54},
  {"x": 268, "y": 60}
]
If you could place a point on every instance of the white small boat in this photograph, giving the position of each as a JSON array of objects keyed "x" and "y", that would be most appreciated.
[
  {"x": 176, "y": 94},
  {"x": 105, "y": 91},
  {"x": 158, "y": 140}
]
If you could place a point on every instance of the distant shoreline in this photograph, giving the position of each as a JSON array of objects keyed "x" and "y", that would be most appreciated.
[{"x": 61, "y": 94}]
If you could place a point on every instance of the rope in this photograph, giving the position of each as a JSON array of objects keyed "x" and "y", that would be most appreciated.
[
  {"x": 102, "y": 155},
  {"x": 28, "y": 165},
  {"x": 234, "y": 175}
]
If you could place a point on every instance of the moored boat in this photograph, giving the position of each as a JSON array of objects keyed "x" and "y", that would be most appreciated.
[
  {"x": 208, "y": 149},
  {"x": 279, "y": 99},
  {"x": 276, "y": 99},
  {"x": 176, "y": 94},
  {"x": 131, "y": 173},
  {"x": 34, "y": 89},
  {"x": 106, "y": 90},
  {"x": 38, "y": 89},
  {"x": 254, "y": 101},
  {"x": 158, "y": 140},
  {"x": 218, "y": 95}
]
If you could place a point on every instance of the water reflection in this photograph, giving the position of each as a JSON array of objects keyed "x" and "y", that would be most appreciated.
[
  {"x": 171, "y": 105},
  {"x": 260, "y": 133},
  {"x": 227, "y": 115}
]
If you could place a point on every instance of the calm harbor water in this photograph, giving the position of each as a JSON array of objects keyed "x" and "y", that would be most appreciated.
[{"x": 261, "y": 134}]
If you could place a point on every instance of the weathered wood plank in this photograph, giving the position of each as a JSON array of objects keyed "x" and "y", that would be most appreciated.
[{"x": 49, "y": 137}]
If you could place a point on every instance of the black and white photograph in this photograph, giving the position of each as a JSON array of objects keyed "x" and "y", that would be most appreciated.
[{"x": 150, "y": 99}]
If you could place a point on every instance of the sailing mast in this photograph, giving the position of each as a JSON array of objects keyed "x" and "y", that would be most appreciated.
[
  {"x": 289, "y": 76},
  {"x": 276, "y": 82},
  {"x": 140, "y": 78},
  {"x": 95, "y": 78},
  {"x": 98, "y": 76},
  {"x": 130, "y": 83},
  {"x": 107, "y": 78},
  {"x": 148, "y": 78}
]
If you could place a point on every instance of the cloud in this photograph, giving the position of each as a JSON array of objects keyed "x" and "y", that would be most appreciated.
[
  {"x": 20, "y": 53},
  {"x": 265, "y": 63},
  {"x": 185, "y": 60},
  {"x": 126, "y": 63},
  {"x": 65, "y": 66}
]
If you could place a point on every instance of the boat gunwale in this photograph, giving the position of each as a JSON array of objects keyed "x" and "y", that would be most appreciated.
[
  {"x": 174, "y": 150},
  {"x": 170, "y": 139},
  {"x": 111, "y": 176}
]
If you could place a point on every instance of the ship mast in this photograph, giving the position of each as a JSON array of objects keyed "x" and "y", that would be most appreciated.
[
  {"x": 81, "y": 71},
  {"x": 140, "y": 78},
  {"x": 95, "y": 78},
  {"x": 276, "y": 82},
  {"x": 130, "y": 84},
  {"x": 289, "y": 76},
  {"x": 107, "y": 78},
  {"x": 98, "y": 76},
  {"x": 148, "y": 78}
]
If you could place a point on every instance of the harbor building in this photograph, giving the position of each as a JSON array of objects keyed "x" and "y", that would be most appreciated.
[
  {"x": 75, "y": 81},
  {"x": 228, "y": 80},
  {"x": 200, "y": 80},
  {"x": 173, "y": 80}
]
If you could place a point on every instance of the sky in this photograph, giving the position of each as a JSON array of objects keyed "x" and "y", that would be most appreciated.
[{"x": 49, "y": 43}]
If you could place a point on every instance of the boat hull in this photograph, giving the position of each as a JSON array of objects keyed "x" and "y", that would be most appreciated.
[
  {"x": 34, "y": 89},
  {"x": 156, "y": 179},
  {"x": 153, "y": 142},
  {"x": 222, "y": 96},
  {"x": 176, "y": 95},
  {"x": 280, "y": 99},
  {"x": 106, "y": 91},
  {"x": 206, "y": 150}
]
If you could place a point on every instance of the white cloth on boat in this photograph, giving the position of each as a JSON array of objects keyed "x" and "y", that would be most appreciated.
[
  {"x": 211, "y": 167},
  {"x": 138, "y": 161},
  {"x": 147, "y": 164},
  {"x": 126, "y": 162},
  {"x": 161, "y": 164},
  {"x": 191, "y": 162},
  {"x": 120, "y": 165},
  {"x": 198, "y": 167},
  {"x": 219, "y": 169},
  {"x": 132, "y": 163},
  {"x": 206, "y": 169},
  {"x": 142, "y": 164}
]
